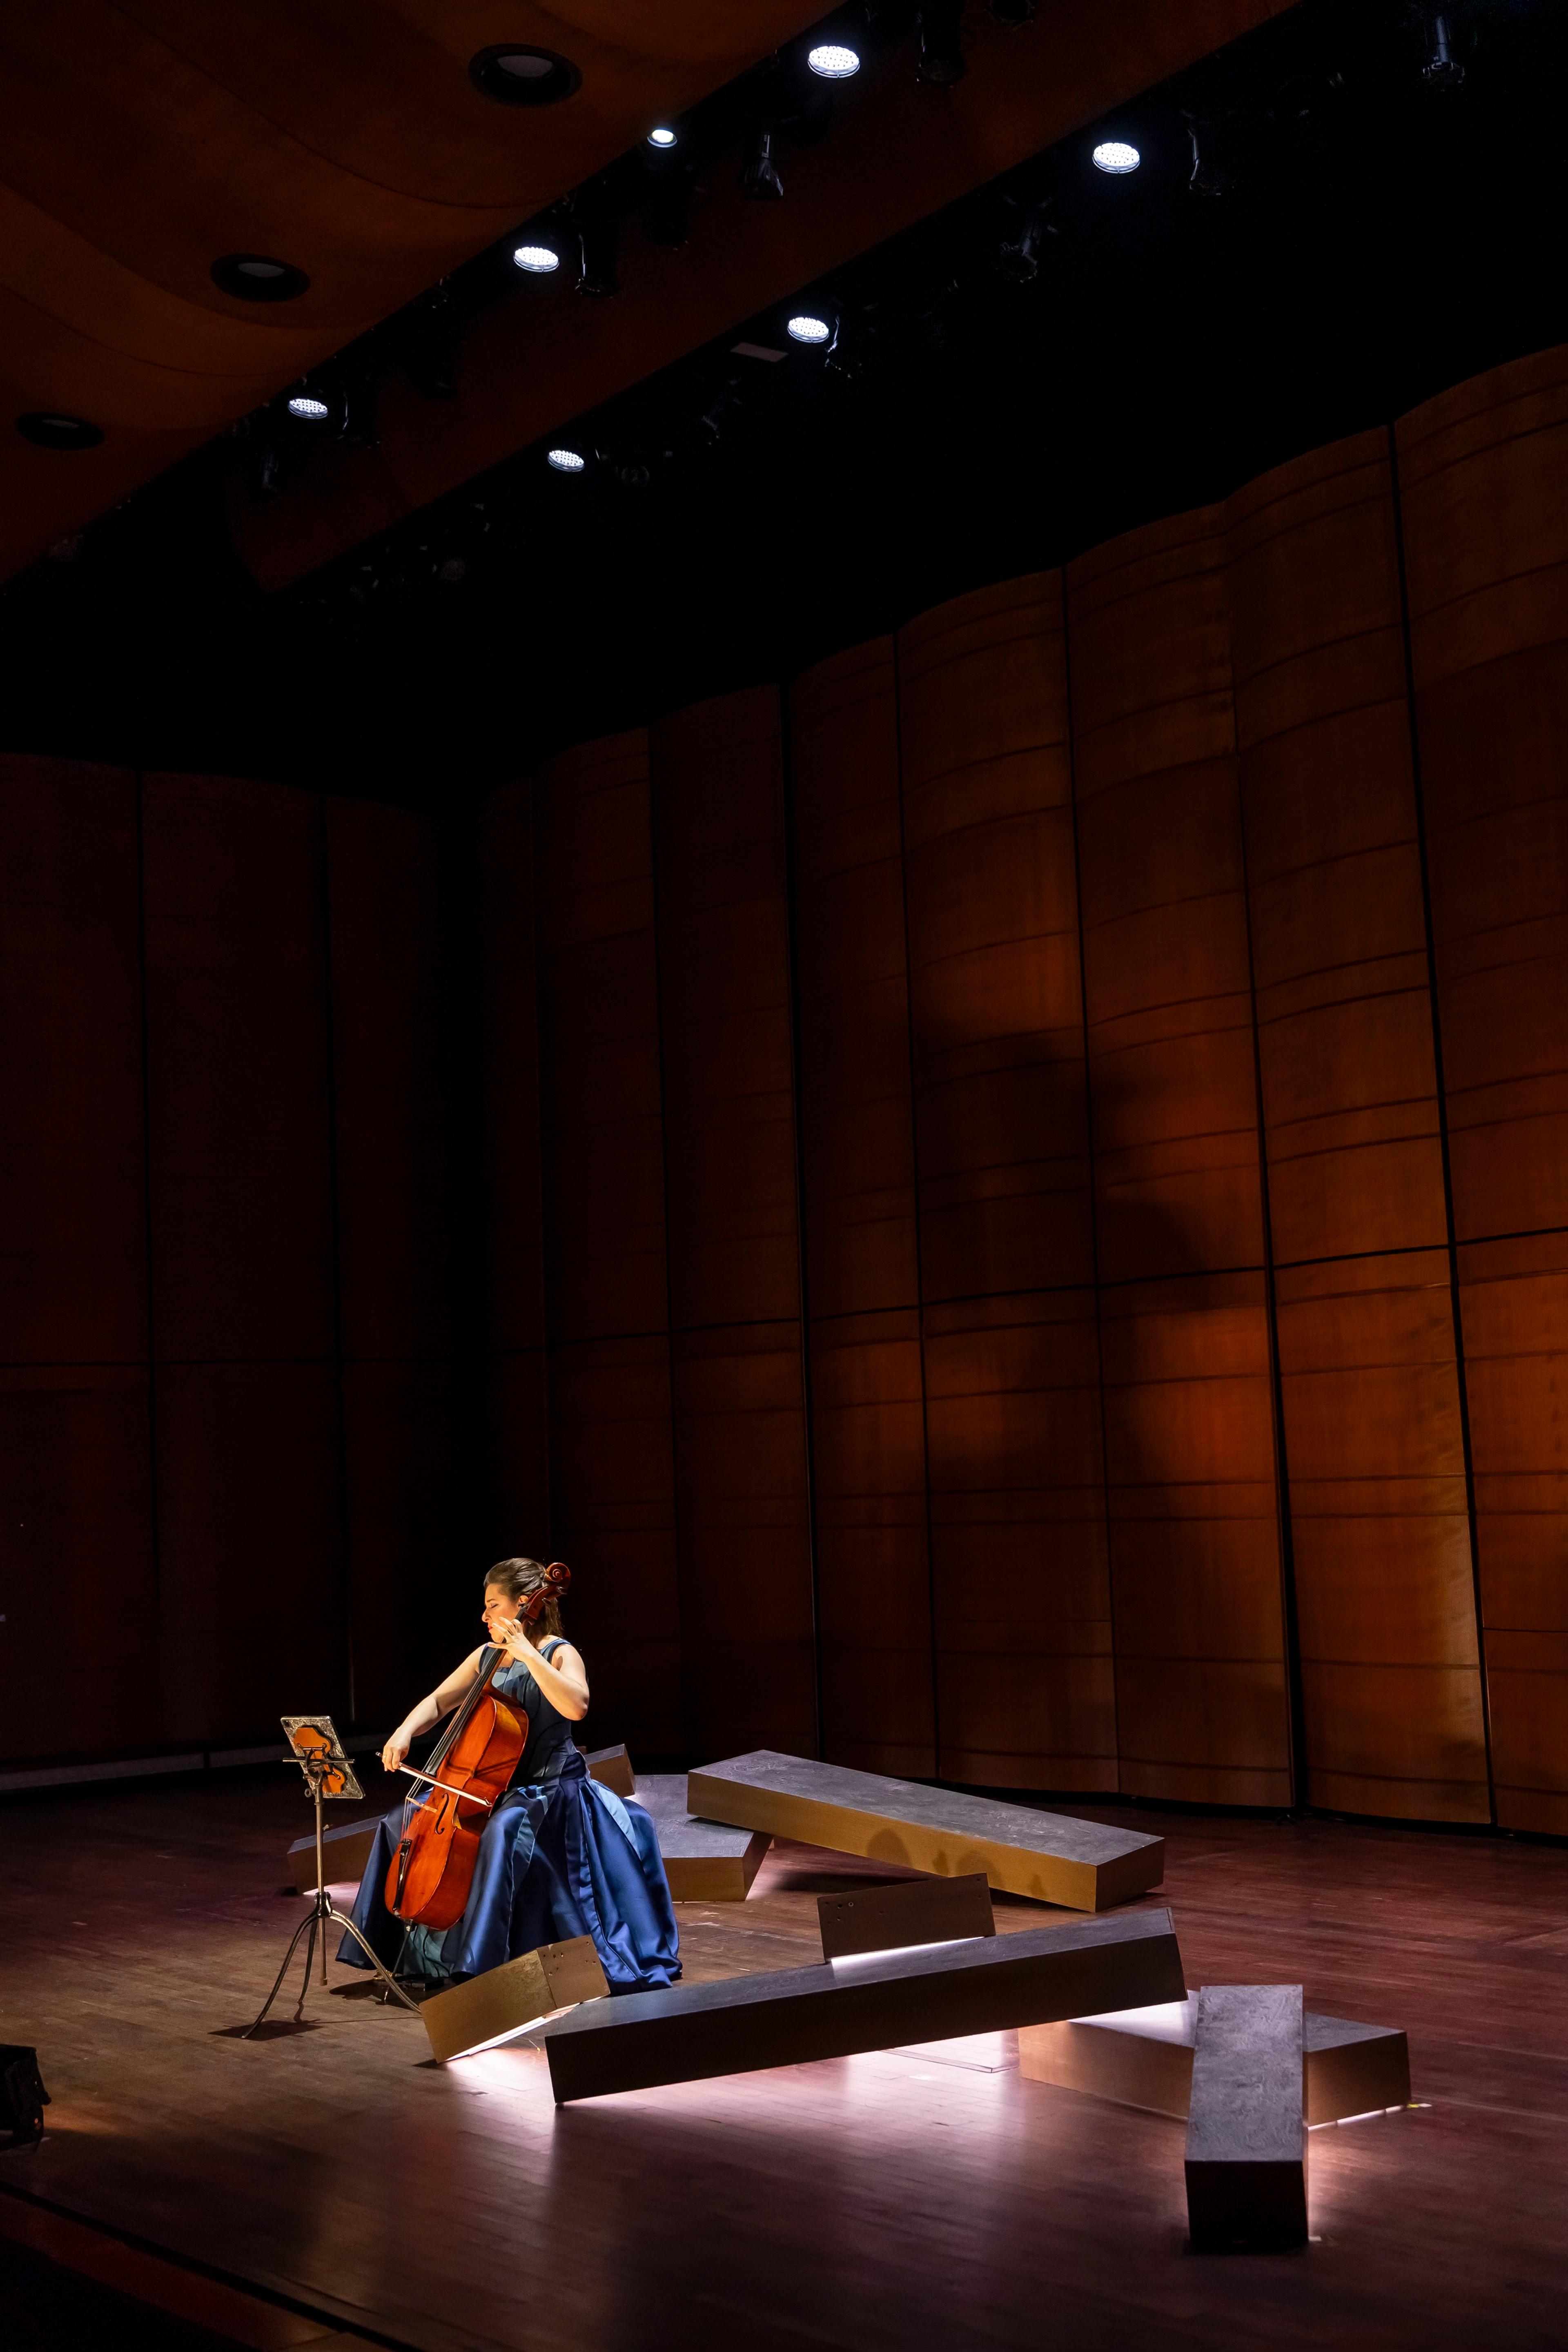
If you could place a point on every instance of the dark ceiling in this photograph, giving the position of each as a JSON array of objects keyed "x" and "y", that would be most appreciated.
[{"x": 1323, "y": 232}]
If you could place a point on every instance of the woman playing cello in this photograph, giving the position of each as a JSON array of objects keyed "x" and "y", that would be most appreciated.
[{"x": 560, "y": 1855}]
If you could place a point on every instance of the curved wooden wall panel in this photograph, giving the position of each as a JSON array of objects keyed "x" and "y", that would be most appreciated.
[
  {"x": 613, "y": 1476},
  {"x": 1026, "y": 1695},
  {"x": 868, "y": 1410},
  {"x": 1339, "y": 933},
  {"x": 1486, "y": 527},
  {"x": 1515, "y": 1308},
  {"x": 517, "y": 1447},
  {"x": 1194, "y": 1530},
  {"x": 249, "y": 1435},
  {"x": 1385, "y": 1593},
  {"x": 1385, "y": 1617},
  {"x": 75, "y": 1473},
  {"x": 732, "y": 1182},
  {"x": 393, "y": 1126}
]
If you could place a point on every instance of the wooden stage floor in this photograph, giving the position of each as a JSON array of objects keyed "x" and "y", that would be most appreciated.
[{"x": 929, "y": 2198}]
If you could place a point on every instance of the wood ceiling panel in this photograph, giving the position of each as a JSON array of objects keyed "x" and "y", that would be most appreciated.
[{"x": 142, "y": 141}]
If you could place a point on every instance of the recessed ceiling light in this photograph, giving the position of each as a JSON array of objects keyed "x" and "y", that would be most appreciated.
[
  {"x": 567, "y": 461},
  {"x": 307, "y": 406},
  {"x": 258, "y": 278},
  {"x": 661, "y": 135},
  {"x": 538, "y": 259},
  {"x": 833, "y": 60},
  {"x": 50, "y": 428},
  {"x": 809, "y": 327},
  {"x": 514, "y": 73},
  {"x": 1115, "y": 157}
]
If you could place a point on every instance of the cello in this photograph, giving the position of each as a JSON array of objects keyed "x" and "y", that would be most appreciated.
[{"x": 468, "y": 1772}]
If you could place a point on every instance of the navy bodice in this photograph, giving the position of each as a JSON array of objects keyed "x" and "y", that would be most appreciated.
[{"x": 550, "y": 1746}]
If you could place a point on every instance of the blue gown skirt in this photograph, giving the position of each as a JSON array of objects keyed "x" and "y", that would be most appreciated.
[{"x": 561, "y": 1858}]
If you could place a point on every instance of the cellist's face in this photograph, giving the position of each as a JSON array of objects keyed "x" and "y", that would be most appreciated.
[{"x": 500, "y": 1609}]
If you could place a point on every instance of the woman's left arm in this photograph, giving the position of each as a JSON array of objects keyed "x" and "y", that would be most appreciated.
[{"x": 562, "y": 1677}]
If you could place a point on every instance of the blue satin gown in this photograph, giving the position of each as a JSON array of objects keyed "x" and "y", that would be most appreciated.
[{"x": 561, "y": 1856}]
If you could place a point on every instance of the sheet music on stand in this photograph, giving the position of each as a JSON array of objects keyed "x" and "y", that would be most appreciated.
[{"x": 318, "y": 1749}]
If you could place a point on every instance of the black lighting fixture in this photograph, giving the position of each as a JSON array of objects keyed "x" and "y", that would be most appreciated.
[
  {"x": 1012, "y": 13},
  {"x": 435, "y": 338},
  {"x": 942, "y": 59},
  {"x": 759, "y": 173},
  {"x": 258, "y": 277},
  {"x": 1212, "y": 175},
  {"x": 51, "y": 428},
  {"x": 516, "y": 73},
  {"x": 1442, "y": 71},
  {"x": 1023, "y": 248},
  {"x": 598, "y": 239},
  {"x": 567, "y": 458}
]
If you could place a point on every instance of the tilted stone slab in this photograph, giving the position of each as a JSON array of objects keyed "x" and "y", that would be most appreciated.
[
  {"x": 506, "y": 2001},
  {"x": 930, "y": 1993},
  {"x": 907, "y": 1911},
  {"x": 705, "y": 1862},
  {"x": 1144, "y": 2059},
  {"x": 1083, "y": 1866}
]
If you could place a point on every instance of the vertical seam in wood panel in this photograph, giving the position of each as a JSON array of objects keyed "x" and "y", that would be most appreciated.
[
  {"x": 154, "y": 1516},
  {"x": 915, "y": 1201},
  {"x": 1456, "y": 1306},
  {"x": 803, "y": 1288},
  {"x": 687, "y": 1712},
  {"x": 1289, "y": 1621},
  {"x": 1093, "y": 1204},
  {"x": 334, "y": 1219}
]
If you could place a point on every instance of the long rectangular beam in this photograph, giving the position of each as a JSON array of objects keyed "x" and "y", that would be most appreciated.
[
  {"x": 1083, "y": 1866},
  {"x": 832, "y": 2010}
]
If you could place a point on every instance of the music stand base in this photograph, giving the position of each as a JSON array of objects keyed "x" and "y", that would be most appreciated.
[{"x": 323, "y": 1914}]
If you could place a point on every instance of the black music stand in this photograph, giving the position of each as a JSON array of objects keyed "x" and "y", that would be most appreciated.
[{"x": 319, "y": 1753}]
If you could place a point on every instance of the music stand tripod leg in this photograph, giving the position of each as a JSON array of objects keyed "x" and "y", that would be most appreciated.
[{"x": 278, "y": 1983}]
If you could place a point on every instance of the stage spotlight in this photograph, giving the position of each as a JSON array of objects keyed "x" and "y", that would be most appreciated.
[
  {"x": 308, "y": 407},
  {"x": 514, "y": 75},
  {"x": 942, "y": 42},
  {"x": 596, "y": 246},
  {"x": 661, "y": 136},
  {"x": 49, "y": 428},
  {"x": 1115, "y": 157},
  {"x": 257, "y": 277},
  {"x": 1012, "y": 12},
  {"x": 810, "y": 328},
  {"x": 536, "y": 257},
  {"x": 566, "y": 461},
  {"x": 759, "y": 174},
  {"x": 833, "y": 60}
]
